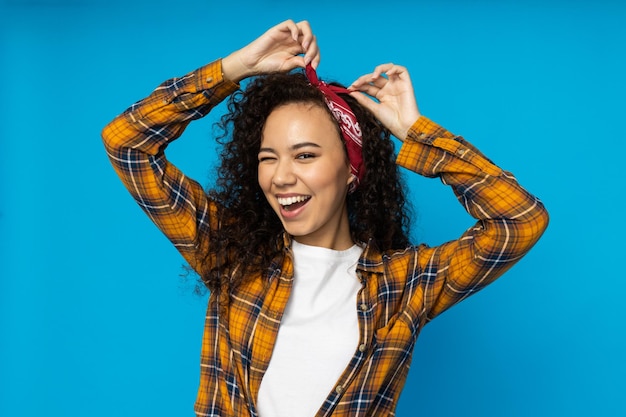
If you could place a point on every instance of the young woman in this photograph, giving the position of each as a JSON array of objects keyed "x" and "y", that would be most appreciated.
[{"x": 317, "y": 297}]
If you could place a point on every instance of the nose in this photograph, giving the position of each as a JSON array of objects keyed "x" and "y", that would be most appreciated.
[{"x": 283, "y": 174}]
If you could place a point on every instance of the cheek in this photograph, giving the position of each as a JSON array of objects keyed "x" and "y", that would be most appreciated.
[
  {"x": 330, "y": 179},
  {"x": 261, "y": 177}
]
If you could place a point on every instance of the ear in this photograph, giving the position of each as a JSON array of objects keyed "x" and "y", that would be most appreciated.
[{"x": 352, "y": 183}]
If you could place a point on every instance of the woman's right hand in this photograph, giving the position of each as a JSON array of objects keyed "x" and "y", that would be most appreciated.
[{"x": 277, "y": 50}]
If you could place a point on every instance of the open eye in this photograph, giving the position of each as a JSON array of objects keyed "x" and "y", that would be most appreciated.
[{"x": 305, "y": 155}]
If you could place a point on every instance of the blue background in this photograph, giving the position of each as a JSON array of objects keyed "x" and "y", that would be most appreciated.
[{"x": 94, "y": 317}]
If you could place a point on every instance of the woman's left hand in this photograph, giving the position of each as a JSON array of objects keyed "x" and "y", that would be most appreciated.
[{"x": 396, "y": 107}]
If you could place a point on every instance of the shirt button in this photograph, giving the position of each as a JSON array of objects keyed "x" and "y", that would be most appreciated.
[
  {"x": 339, "y": 389},
  {"x": 422, "y": 135},
  {"x": 461, "y": 151},
  {"x": 362, "y": 347},
  {"x": 363, "y": 307},
  {"x": 209, "y": 80}
]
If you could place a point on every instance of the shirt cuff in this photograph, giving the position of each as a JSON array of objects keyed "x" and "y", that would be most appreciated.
[
  {"x": 210, "y": 77},
  {"x": 431, "y": 150},
  {"x": 425, "y": 130}
]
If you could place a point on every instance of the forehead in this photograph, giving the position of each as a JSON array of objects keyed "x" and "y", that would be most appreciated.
[{"x": 296, "y": 122}]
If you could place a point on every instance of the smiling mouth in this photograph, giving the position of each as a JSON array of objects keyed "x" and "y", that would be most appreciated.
[{"x": 293, "y": 203}]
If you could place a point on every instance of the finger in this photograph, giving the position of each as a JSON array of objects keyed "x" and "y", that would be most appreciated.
[
  {"x": 288, "y": 27},
  {"x": 366, "y": 81},
  {"x": 312, "y": 52},
  {"x": 379, "y": 82},
  {"x": 298, "y": 61},
  {"x": 306, "y": 36},
  {"x": 295, "y": 30},
  {"x": 397, "y": 71},
  {"x": 362, "y": 80},
  {"x": 309, "y": 44},
  {"x": 295, "y": 49},
  {"x": 365, "y": 101},
  {"x": 377, "y": 76},
  {"x": 381, "y": 69},
  {"x": 369, "y": 89},
  {"x": 316, "y": 60}
]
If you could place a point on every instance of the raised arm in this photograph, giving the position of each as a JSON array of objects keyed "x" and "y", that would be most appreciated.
[
  {"x": 135, "y": 140},
  {"x": 510, "y": 220}
]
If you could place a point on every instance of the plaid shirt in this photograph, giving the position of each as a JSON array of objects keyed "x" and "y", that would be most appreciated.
[{"x": 401, "y": 290}]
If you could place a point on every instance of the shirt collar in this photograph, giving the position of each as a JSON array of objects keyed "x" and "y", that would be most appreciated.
[{"x": 371, "y": 260}]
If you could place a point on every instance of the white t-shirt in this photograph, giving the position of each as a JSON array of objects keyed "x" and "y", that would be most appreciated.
[{"x": 318, "y": 334}]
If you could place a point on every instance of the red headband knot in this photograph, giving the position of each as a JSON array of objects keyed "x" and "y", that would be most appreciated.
[{"x": 350, "y": 129}]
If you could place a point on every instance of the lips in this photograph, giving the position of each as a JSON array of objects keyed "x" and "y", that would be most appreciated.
[
  {"x": 289, "y": 205},
  {"x": 295, "y": 206},
  {"x": 293, "y": 202}
]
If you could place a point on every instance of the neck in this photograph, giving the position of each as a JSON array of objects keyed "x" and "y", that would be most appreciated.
[{"x": 340, "y": 239}]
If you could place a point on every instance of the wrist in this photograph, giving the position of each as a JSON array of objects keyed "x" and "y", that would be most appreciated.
[{"x": 233, "y": 69}]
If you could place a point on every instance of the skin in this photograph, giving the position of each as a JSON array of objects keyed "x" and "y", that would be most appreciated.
[
  {"x": 391, "y": 85},
  {"x": 277, "y": 50},
  {"x": 290, "y": 45},
  {"x": 302, "y": 157},
  {"x": 387, "y": 92}
]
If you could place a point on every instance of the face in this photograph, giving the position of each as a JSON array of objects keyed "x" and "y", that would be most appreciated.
[{"x": 304, "y": 174}]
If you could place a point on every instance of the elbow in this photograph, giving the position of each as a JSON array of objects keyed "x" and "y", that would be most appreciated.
[
  {"x": 108, "y": 136},
  {"x": 115, "y": 140},
  {"x": 534, "y": 226},
  {"x": 542, "y": 219},
  {"x": 117, "y": 132}
]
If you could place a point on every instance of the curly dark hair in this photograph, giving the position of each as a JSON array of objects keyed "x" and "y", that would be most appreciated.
[{"x": 250, "y": 234}]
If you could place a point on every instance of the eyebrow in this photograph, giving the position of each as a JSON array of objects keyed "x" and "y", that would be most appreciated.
[{"x": 294, "y": 147}]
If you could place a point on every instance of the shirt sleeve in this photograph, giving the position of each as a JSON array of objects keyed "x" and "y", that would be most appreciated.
[
  {"x": 135, "y": 142},
  {"x": 510, "y": 220}
]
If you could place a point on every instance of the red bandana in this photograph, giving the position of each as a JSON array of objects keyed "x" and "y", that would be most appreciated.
[{"x": 350, "y": 129}]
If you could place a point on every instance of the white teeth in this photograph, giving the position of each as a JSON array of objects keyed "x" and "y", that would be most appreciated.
[{"x": 291, "y": 200}]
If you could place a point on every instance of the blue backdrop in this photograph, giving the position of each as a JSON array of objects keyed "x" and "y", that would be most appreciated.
[{"x": 94, "y": 318}]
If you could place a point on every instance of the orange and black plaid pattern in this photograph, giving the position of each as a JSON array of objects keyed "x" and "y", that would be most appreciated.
[{"x": 401, "y": 290}]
